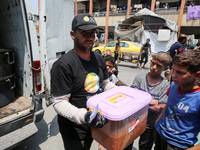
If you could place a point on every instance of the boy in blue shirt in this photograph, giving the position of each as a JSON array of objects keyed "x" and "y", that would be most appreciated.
[{"x": 180, "y": 121}]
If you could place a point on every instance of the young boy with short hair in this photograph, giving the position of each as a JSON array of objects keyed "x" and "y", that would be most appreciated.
[
  {"x": 156, "y": 85},
  {"x": 180, "y": 121},
  {"x": 167, "y": 75},
  {"x": 110, "y": 63},
  {"x": 115, "y": 69}
]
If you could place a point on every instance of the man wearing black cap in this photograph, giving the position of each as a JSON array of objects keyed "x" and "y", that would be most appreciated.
[
  {"x": 76, "y": 76},
  {"x": 177, "y": 47}
]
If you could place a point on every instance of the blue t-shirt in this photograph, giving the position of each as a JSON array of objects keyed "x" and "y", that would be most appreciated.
[{"x": 180, "y": 123}]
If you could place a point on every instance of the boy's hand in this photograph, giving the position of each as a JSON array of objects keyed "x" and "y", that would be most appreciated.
[
  {"x": 157, "y": 108},
  {"x": 197, "y": 47},
  {"x": 153, "y": 102},
  {"x": 114, "y": 70}
]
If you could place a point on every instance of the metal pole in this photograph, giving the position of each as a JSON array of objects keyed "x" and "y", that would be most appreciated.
[
  {"x": 91, "y": 7},
  {"x": 181, "y": 15},
  {"x": 107, "y": 19},
  {"x": 38, "y": 27},
  {"x": 128, "y": 9},
  {"x": 76, "y": 8},
  {"x": 153, "y": 3}
]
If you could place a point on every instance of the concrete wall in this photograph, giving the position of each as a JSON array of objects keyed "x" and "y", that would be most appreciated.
[
  {"x": 172, "y": 17},
  {"x": 101, "y": 21},
  {"x": 188, "y": 27},
  {"x": 81, "y": 6}
]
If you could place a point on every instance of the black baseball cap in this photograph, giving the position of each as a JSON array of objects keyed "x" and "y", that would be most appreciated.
[{"x": 84, "y": 21}]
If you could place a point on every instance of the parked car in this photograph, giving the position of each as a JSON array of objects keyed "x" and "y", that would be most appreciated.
[{"x": 125, "y": 46}]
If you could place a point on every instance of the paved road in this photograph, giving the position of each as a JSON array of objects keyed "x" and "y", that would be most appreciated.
[{"x": 48, "y": 136}]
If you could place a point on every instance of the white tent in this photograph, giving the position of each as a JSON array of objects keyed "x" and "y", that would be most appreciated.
[{"x": 161, "y": 40}]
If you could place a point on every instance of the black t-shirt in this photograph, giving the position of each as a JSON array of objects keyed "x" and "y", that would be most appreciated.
[
  {"x": 145, "y": 48},
  {"x": 81, "y": 78}
]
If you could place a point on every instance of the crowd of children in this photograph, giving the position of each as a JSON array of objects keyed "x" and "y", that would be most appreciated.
[{"x": 173, "y": 121}]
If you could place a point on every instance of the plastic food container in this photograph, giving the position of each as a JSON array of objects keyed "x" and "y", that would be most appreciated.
[{"x": 126, "y": 109}]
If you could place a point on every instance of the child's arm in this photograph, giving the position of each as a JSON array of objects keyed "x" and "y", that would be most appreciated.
[
  {"x": 153, "y": 102},
  {"x": 197, "y": 147},
  {"x": 155, "y": 106},
  {"x": 160, "y": 116},
  {"x": 141, "y": 50},
  {"x": 159, "y": 104}
]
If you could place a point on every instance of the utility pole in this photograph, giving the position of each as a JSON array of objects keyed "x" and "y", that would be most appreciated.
[
  {"x": 91, "y": 7},
  {"x": 107, "y": 19},
  {"x": 181, "y": 15},
  {"x": 153, "y": 3},
  {"x": 128, "y": 8},
  {"x": 76, "y": 8}
]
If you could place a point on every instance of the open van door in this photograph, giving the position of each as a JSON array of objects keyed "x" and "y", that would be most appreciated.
[{"x": 55, "y": 39}]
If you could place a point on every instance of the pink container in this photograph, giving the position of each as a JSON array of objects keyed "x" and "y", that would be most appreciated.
[{"x": 126, "y": 110}]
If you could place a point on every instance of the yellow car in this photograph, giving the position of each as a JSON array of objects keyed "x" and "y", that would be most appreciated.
[{"x": 125, "y": 46}]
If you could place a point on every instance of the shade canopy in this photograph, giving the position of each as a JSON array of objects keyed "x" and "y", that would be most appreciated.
[
  {"x": 148, "y": 25},
  {"x": 146, "y": 12}
]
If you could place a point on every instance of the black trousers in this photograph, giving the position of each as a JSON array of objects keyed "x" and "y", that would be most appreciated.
[
  {"x": 116, "y": 55},
  {"x": 161, "y": 144},
  {"x": 144, "y": 56},
  {"x": 146, "y": 139},
  {"x": 129, "y": 147},
  {"x": 73, "y": 140}
]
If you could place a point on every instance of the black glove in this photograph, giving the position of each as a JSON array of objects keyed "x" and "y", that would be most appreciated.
[{"x": 98, "y": 122}]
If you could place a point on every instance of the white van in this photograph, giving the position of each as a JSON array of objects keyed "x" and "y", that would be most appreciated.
[{"x": 25, "y": 67}]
